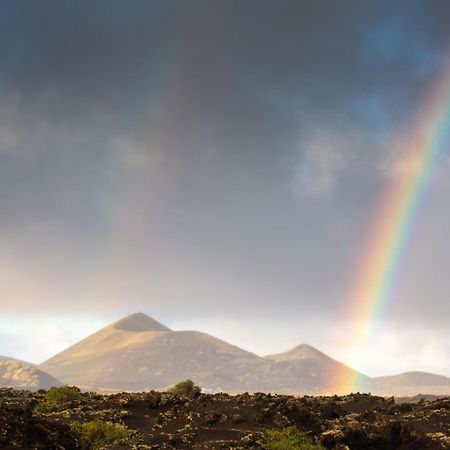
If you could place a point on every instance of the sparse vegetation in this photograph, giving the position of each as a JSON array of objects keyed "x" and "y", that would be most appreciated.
[
  {"x": 289, "y": 438},
  {"x": 63, "y": 394},
  {"x": 56, "y": 397},
  {"x": 97, "y": 434},
  {"x": 161, "y": 420},
  {"x": 185, "y": 388}
]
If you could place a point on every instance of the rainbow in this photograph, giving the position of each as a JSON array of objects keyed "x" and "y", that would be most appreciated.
[{"x": 396, "y": 217}]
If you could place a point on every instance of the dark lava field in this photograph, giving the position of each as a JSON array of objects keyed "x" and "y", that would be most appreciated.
[{"x": 155, "y": 420}]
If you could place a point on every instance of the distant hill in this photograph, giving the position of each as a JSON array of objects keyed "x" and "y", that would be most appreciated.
[
  {"x": 410, "y": 384},
  {"x": 138, "y": 353},
  {"x": 21, "y": 375}
]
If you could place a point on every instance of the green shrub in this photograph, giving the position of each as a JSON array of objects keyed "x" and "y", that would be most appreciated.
[
  {"x": 185, "y": 388},
  {"x": 289, "y": 438},
  {"x": 63, "y": 394},
  {"x": 56, "y": 397},
  {"x": 97, "y": 434}
]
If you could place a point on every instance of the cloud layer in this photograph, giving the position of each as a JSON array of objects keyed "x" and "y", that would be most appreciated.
[{"x": 217, "y": 158}]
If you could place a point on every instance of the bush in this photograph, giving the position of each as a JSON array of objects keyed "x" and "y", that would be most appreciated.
[
  {"x": 56, "y": 397},
  {"x": 96, "y": 434},
  {"x": 289, "y": 438},
  {"x": 186, "y": 388},
  {"x": 63, "y": 394}
]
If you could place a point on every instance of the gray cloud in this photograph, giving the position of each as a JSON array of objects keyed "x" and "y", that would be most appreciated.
[{"x": 326, "y": 154}]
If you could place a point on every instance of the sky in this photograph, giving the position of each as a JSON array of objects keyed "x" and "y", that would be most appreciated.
[{"x": 218, "y": 166}]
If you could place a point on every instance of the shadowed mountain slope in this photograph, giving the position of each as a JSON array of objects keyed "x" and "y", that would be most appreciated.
[{"x": 21, "y": 375}]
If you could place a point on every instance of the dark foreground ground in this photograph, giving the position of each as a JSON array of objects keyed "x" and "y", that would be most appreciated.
[{"x": 160, "y": 420}]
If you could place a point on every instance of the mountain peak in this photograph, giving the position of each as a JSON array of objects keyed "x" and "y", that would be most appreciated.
[
  {"x": 302, "y": 351},
  {"x": 305, "y": 351},
  {"x": 139, "y": 322}
]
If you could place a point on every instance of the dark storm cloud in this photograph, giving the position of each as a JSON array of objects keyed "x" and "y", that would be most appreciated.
[
  {"x": 88, "y": 53},
  {"x": 211, "y": 154}
]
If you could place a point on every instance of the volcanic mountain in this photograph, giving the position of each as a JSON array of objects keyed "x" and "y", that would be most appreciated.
[
  {"x": 138, "y": 353},
  {"x": 313, "y": 370},
  {"x": 21, "y": 375}
]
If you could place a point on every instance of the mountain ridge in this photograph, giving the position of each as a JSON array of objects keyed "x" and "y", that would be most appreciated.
[{"x": 138, "y": 353}]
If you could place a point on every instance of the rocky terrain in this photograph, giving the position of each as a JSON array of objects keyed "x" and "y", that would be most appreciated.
[
  {"x": 157, "y": 420},
  {"x": 138, "y": 353}
]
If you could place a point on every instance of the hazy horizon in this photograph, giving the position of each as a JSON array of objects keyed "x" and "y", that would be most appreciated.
[{"x": 218, "y": 165}]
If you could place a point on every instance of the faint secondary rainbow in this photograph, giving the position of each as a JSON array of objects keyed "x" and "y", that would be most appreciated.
[{"x": 396, "y": 217}]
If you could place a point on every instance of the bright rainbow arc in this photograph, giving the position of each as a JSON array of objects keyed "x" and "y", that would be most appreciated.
[{"x": 396, "y": 219}]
